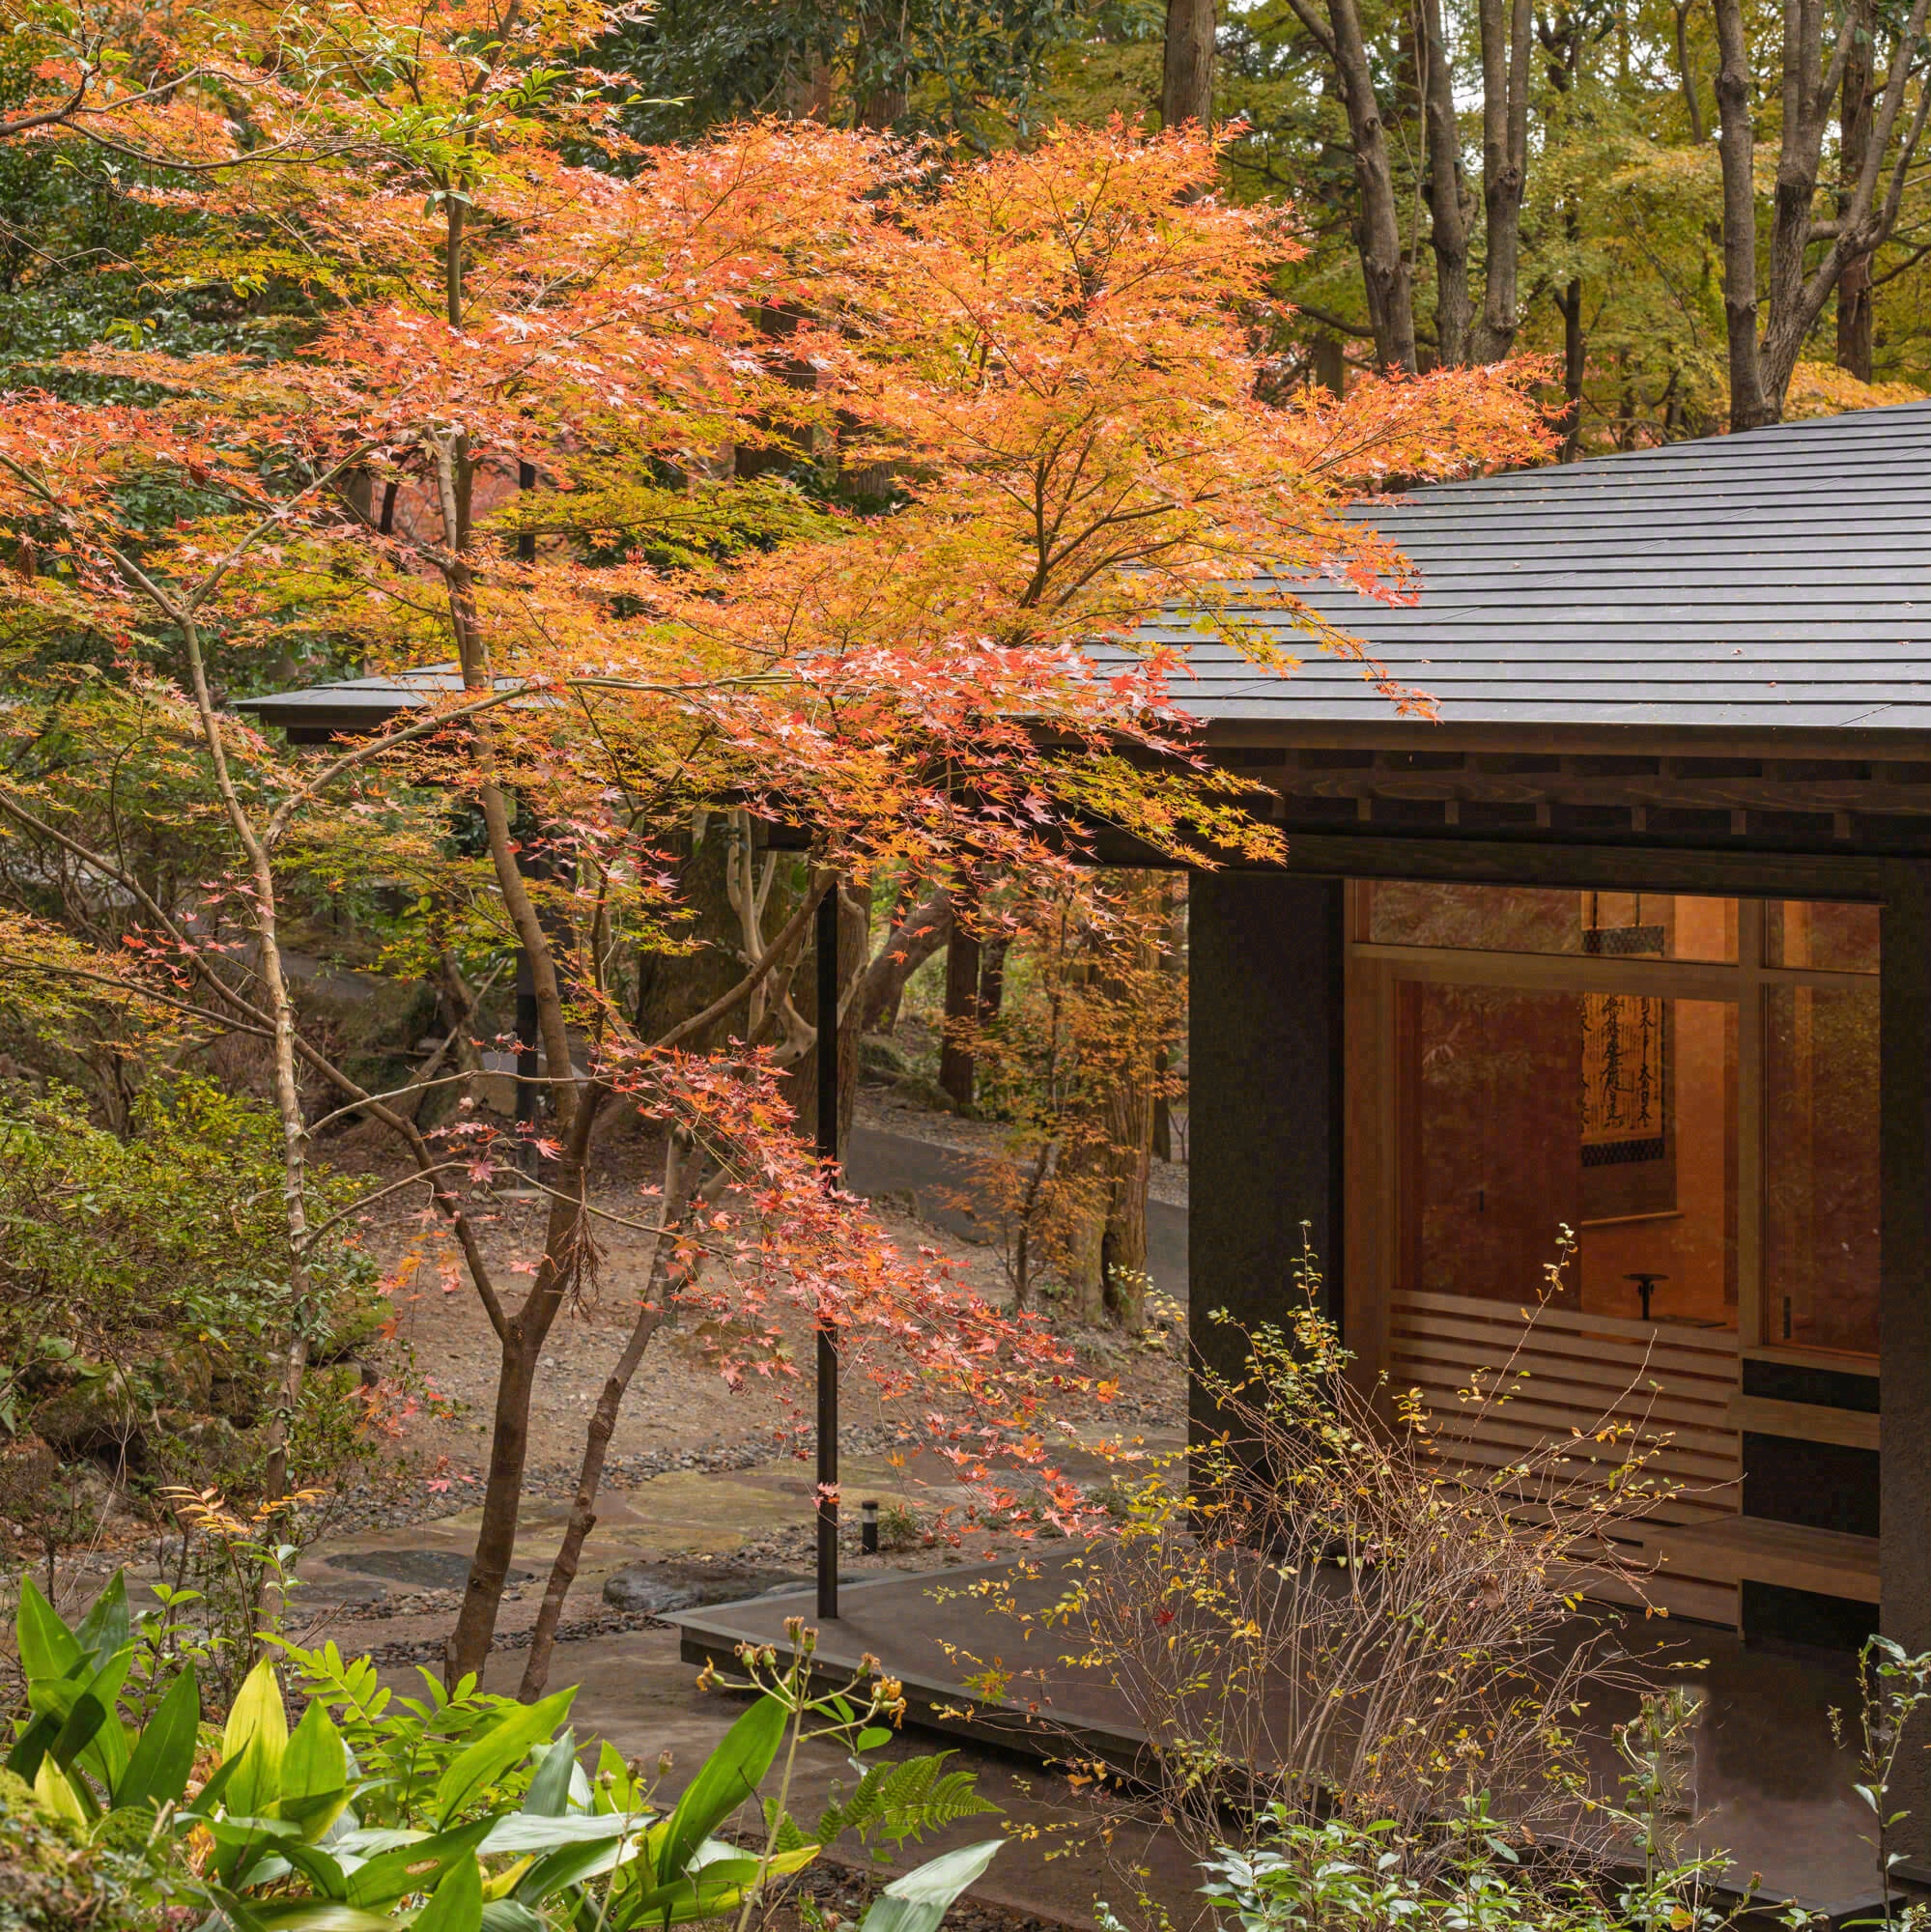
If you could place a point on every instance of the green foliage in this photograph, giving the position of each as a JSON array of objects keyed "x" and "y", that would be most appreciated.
[
  {"x": 144, "y": 1284},
  {"x": 433, "y": 1760},
  {"x": 452, "y": 1812},
  {"x": 976, "y": 71},
  {"x": 1308, "y": 1877},
  {"x": 55, "y": 1876},
  {"x": 918, "y": 1901},
  {"x": 895, "y": 1802}
]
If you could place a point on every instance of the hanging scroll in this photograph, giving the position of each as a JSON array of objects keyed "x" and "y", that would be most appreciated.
[{"x": 1624, "y": 1090}]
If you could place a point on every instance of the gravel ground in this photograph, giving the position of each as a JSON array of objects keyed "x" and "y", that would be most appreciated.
[{"x": 677, "y": 1414}]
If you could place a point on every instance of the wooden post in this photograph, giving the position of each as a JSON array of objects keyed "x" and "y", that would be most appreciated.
[
  {"x": 1263, "y": 1086},
  {"x": 827, "y": 1346},
  {"x": 1904, "y": 1322}
]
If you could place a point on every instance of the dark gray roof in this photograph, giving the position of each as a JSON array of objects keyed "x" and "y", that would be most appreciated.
[
  {"x": 1779, "y": 579},
  {"x": 357, "y": 703}
]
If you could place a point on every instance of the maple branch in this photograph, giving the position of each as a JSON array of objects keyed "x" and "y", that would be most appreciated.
[
  {"x": 135, "y": 992},
  {"x": 412, "y": 1136},
  {"x": 425, "y": 1078},
  {"x": 27, "y": 122},
  {"x": 100, "y": 863},
  {"x": 588, "y": 1206},
  {"x": 459, "y": 583},
  {"x": 265, "y": 1023},
  {"x": 278, "y": 513},
  {"x": 256, "y": 1022},
  {"x": 72, "y": 114},
  {"x": 364, "y": 1201}
]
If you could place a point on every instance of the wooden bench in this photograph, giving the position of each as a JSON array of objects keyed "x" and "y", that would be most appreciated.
[{"x": 1750, "y": 1548}]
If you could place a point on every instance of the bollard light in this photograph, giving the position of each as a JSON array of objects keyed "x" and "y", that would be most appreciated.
[{"x": 867, "y": 1529}]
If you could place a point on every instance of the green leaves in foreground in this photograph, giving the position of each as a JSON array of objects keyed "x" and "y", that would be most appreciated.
[{"x": 288, "y": 1852}]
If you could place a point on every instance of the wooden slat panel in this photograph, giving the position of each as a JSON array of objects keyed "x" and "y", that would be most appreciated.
[
  {"x": 1697, "y": 1473},
  {"x": 1505, "y": 1455},
  {"x": 1553, "y": 1372},
  {"x": 1552, "y": 1409},
  {"x": 1590, "y": 1380},
  {"x": 1709, "y": 1603},
  {"x": 1582, "y": 1384},
  {"x": 1506, "y": 1341},
  {"x": 1553, "y": 1319}
]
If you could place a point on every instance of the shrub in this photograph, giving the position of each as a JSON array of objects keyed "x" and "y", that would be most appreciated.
[
  {"x": 376, "y": 1810},
  {"x": 57, "y": 1877},
  {"x": 144, "y": 1284},
  {"x": 1315, "y": 1609}
]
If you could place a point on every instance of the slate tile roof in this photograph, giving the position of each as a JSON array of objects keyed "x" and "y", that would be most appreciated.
[{"x": 1781, "y": 578}]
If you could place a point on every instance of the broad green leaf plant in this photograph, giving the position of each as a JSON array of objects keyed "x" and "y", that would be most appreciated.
[{"x": 456, "y": 1811}]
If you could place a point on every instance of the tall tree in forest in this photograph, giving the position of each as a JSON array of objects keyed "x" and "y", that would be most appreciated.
[
  {"x": 1385, "y": 271},
  {"x": 1465, "y": 332},
  {"x": 1186, "y": 64},
  {"x": 1767, "y": 327},
  {"x": 1858, "y": 101}
]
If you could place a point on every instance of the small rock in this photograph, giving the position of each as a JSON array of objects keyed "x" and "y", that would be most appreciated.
[
  {"x": 880, "y": 1057},
  {"x": 656, "y": 1589},
  {"x": 641, "y": 1593}
]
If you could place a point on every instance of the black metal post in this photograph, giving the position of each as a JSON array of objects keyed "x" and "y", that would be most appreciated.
[
  {"x": 827, "y": 1346},
  {"x": 526, "y": 543}
]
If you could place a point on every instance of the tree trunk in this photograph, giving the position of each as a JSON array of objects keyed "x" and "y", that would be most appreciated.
[
  {"x": 916, "y": 933},
  {"x": 880, "y": 67},
  {"x": 1750, "y": 404},
  {"x": 583, "y": 1504},
  {"x": 1186, "y": 67},
  {"x": 1505, "y": 154},
  {"x": 264, "y": 917},
  {"x": 1385, "y": 268},
  {"x": 955, "y": 1055},
  {"x": 992, "y": 979},
  {"x": 523, "y": 1342},
  {"x": 1692, "y": 105},
  {"x": 1122, "y": 1246},
  {"x": 652, "y": 1308},
  {"x": 1574, "y": 362},
  {"x": 1854, "y": 285},
  {"x": 1448, "y": 222},
  {"x": 575, "y": 1109},
  {"x": 1760, "y": 372},
  {"x": 1330, "y": 363}
]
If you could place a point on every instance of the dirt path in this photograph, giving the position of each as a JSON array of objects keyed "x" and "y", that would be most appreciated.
[{"x": 678, "y": 1413}]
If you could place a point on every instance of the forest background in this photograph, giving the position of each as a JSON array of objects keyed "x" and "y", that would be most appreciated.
[{"x": 1704, "y": 212}]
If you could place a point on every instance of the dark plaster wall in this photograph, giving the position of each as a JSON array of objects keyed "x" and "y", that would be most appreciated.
[{"x": 1264, "y": 1095}]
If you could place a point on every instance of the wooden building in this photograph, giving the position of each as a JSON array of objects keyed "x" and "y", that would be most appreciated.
[{"x": 1632, "y": 939}]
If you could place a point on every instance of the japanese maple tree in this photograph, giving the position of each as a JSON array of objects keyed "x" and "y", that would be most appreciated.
[{"x": 794, "y": 475}]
